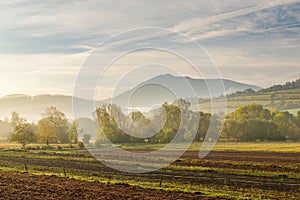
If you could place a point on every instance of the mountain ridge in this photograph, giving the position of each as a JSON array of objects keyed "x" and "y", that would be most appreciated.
[
  {"x": 164, "y": 88},
  {"x": 31, "y": 107}
]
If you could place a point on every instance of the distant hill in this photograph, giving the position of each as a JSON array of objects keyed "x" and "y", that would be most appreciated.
[
  {"x": 286, "y": 86},
  {"x": 145, "y": 94},
  {"x": 166, "y": 88},
  {"x": 4, "y": 129},
  {"x": 14, "y": 96},
  {"x": 280, "y": 97},
  {"x": 287, "y": 91}
]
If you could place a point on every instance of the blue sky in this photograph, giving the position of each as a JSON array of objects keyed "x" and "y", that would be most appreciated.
[{"x": 43, "y": 44}]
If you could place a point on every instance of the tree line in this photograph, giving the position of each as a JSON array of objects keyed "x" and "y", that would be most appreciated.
[
  {"x": 54, "y": 127},
  {"x": 288, "y": 85},
  {"x": 246, "y": 124},
  {"x": 275, "y": 88},
  {"x": 255, "y": 123},
  {"x": 115, "y": 125}
]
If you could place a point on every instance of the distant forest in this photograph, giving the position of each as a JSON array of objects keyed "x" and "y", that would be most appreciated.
[
  {"x": 275, "y": 88},
  {"x": 286, "y": 86}
]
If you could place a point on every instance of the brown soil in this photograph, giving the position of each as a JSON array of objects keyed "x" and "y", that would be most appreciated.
[{"x": 27, "y": 186}]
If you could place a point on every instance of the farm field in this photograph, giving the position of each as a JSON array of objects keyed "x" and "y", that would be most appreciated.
[
  {"x": 27, "y": 186},
  {"x": 288, "y": 96},
  {"x": 269, "y": 172},
  {"x": 232, "y": 105},
  {"x": 231, "y": 146}
]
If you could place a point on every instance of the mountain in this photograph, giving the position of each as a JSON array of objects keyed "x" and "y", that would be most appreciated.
[
  {"x": 166, "y": 88},
  {"x": 145, "y": 94},
  {"x": 14, "y": 96}
]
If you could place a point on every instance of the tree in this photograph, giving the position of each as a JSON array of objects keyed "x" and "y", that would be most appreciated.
[
  {"x": 231, "y": 130},
  {"x": 253, "y": 111},
  {"x": 296, "y": 119},
  {"x": 46, "y": 132},
  {"x": 59, "y": 122},
  {"x": 261, "y": 130},
  {"x": 204, "y": 122},
  {"x": 86, "y": 138},
  {"x": 293, "y": 133},
  {"x": 23, "y": 132},
  {"x": 139, "y": 126},
  {"x": 106, "y": 124},
  {"x": 173, "y": 116},
  {"x": 168, "y": 135},
  {"x": 283, "y": 121},
  {"x": 106, "y": 117},
  {"x": 182, "y": 103},
  {"x": 253, "y": 122},
  {"x": 16, "y": 120},
  {"x": 73, "y": 133}
]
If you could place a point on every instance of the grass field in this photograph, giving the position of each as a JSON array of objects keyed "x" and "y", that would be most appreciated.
[
  {"x": 231, "y": 171},
  {"x": 232, "y": 105},
  {"x": 220, "y": 146},
  {"x": 230, "y": 146}
]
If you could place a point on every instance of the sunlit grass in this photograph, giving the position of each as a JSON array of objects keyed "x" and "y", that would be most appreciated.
[
  {"x": 264, "y": 146},
  {"x": 230, "y": 146},
  {"x": 220, "y": 146}
]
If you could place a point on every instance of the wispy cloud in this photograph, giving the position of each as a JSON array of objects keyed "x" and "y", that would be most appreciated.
[
  {"x": 262, "y": 18},
  {"x": 44, "y": 43}
]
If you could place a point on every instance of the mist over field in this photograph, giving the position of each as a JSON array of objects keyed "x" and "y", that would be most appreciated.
[{"x": 150, "y": 100}]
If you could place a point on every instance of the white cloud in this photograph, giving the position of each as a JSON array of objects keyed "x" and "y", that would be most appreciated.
[
  {"x": 201, "y": 27},
  {"x": 38, "y": 38}
]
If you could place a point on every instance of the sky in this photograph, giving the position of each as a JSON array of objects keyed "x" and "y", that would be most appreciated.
[{"x": 45, "y": 44}]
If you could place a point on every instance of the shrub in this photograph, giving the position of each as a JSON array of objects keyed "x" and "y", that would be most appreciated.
[{"x": 80, "y": 145}]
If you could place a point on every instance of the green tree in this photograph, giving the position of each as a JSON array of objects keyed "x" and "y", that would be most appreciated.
[
  {"x": 73, "y": 133},
  {"x": 138, "y": 126},
  {"x": 23, "y": 132},
  {"x": 173, "y": 116},
  {"x": 167, "y": 136},
  {"x": 231, "y": 130},
  {"x": 283, "y": 121},
  {"x": 253, "y": 111},
  {"x": 293, "y": 133},
  {"x": 296, "y": 119},
  {"x": 108, "y": 126},
  {"x": 260, "y": 130},
  {"x": 204, "y": 122},
  {"x": 253, "y": 122}
]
